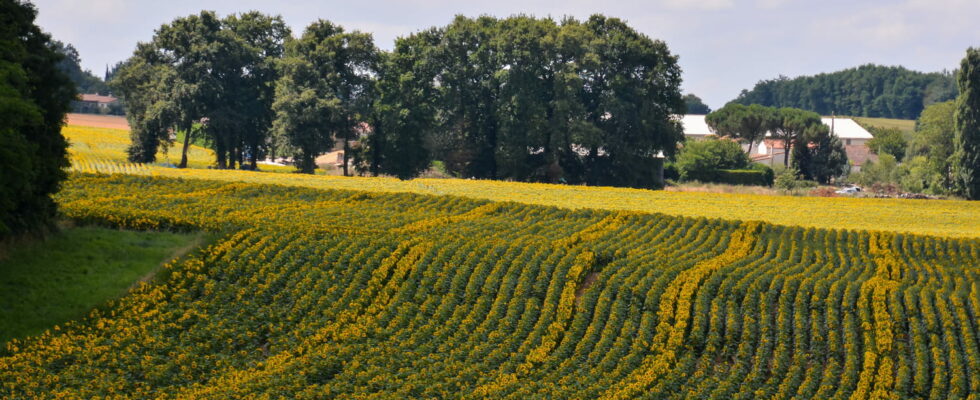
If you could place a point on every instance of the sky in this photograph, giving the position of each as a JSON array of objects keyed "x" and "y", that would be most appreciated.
[{"x": 724, "y": 46}]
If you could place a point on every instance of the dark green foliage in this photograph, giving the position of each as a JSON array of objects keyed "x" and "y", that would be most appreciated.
[
  {"x": 695, "y": 105},
  {"x": 85, "y": 81},
  {"x": 790, "y": 179},
  {"x": 671, "y": 172},
  {"x": 888, "y": 140},
  {"x": 325, "y": 90},
  {"x": 866, "y": 91},
  {"x": 701, "y": 160},
  {"x": 745, "y": 177},
  {"x": 967, "y": 141},
  {"x": 822, "y": 158},
  {"x": 933, "y": 140},
  {"x": 251, "y": 88},
  {"x": 34, "y": 98},
  {"x": 404, "y": 113},
  {"x": 531, "y": 100},
  {"x": 796, "y": 129}
]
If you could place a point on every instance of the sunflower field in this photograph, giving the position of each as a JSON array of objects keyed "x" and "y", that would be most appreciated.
[
  {"x": 100, "y": 150},
  {"x": 373, "y": 294}
]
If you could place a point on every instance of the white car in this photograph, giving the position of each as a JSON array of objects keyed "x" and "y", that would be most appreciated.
[{"x": 849, "y": 190}]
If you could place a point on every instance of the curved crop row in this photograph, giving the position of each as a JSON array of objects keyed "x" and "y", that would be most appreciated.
[{"x": 339, "y": 294}]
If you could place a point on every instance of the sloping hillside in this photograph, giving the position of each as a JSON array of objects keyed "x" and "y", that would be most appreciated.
[{"x": 350, "y": 294}]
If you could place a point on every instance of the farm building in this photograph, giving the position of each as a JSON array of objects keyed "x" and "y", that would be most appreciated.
[
  {"x": 852, "y": 135},
  {"x": 94, "y": 104}
]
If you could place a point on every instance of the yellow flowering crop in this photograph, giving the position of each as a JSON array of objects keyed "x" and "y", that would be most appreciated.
[
  {"x": 103, "y": 150},
  {"x": 314, "y": 293}
]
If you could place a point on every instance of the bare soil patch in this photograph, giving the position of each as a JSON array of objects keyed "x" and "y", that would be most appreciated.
[{"x": 98, "y": 121}]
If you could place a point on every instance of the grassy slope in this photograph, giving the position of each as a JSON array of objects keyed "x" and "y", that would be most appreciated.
[
  {"x": 907, "y": 126},
  {"x": 60, "y": 279},
  {"x": 942, "y": 218}
]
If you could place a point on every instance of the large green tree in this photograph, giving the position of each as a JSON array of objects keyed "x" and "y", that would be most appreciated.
[
  {"x": 748, "y": 124},
  {"x": 967, "y": 141},
  {"x": 35, "y": 95},
  {"x": 794, "y": 127},
  {"x": 700, "y": 160},
  {"x": 251, "y": 84},
  {"x": 325, "y": 91},
  {"x": 403, "y": 116},
  {"x": 888, "y": 140},
  {"x": 819, "y": 155},
  {"x": 467, "y": 66},
  {"x": 631, "y": 85},
  {"x": 204, "y": 71},
  {"x": 537, "y": 100}
]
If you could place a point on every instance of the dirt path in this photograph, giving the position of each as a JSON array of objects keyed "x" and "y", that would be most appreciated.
[
  {"x": 198, "y": 241},
  {"x": 98, "y": 121}
]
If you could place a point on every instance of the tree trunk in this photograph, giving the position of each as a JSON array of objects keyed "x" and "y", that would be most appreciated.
[
  {"x": 254, "y": 157},
  {"x": 346, "y": 152},
  {"x": 183, "y": 152},
  {"x": 376, "y": 149},
  {"x": 786, "y": 148}
]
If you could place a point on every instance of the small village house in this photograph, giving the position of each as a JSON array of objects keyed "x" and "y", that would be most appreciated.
[{"x": 94, "y": 104}]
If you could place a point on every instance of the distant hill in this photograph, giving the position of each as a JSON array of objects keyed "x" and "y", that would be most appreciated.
[{"x": 866, "y": 91}]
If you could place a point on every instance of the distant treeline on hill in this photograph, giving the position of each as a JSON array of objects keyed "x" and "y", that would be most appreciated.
[{"x": 866, "y": 91}]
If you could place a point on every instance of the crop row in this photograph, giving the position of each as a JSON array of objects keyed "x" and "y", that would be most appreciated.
[{"x": 341, "y": 294}]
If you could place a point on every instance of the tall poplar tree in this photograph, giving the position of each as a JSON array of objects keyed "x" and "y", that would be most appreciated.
[{"x": 967, "y": 141}]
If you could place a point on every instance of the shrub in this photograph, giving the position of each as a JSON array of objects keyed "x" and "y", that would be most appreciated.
[
  {"x": 702, "y": 159},
  {"x": 745, "y": 177},
  {"x": 789, "y": 179},
  {"x": 671, "y": 173}
]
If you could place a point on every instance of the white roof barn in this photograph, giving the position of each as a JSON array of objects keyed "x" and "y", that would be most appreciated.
[
  {"x": 844, "y": 128},
  {"x": 695, "y": 125}
]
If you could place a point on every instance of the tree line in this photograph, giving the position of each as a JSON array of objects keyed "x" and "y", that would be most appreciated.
[
  {"x": 518, "y": 98},
  {"x": 811, "y": 149},
  {"x": 865, "y": 91}
]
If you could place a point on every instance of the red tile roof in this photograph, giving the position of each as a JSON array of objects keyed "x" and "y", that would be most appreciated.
[{"x": 95, "y": 98}]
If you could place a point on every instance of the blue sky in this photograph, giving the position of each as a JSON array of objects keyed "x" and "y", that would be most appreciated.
[{"x": 724, "y": 45}]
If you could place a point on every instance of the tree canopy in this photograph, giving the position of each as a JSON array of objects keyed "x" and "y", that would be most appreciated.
[
  {"x": 203, "y": 69},
  {"x": 888, "y": 140},
  {"x": 536, "y": 100},
  {"x": 85, "y": 81},
  {"x": 933, "y": 142},
  {"x": 517, "y": 98},
  {"x": 866, "y": 91},
  {"x": 700, "y": 160},
  {"x": 35, "y": 95},
  {"x": 695, "y": 105},
  {"x": 325, "y": 90},
  {"x": 748, "y": 124}
]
